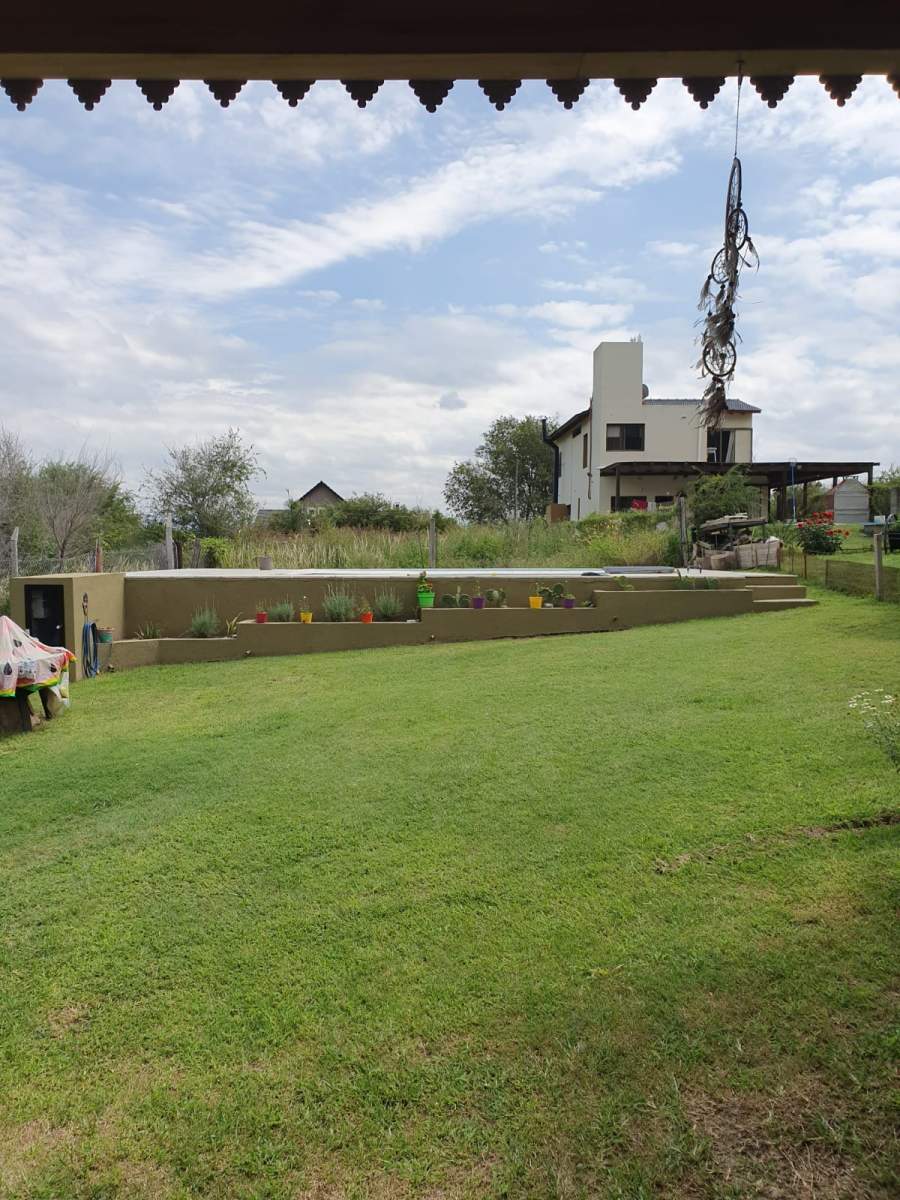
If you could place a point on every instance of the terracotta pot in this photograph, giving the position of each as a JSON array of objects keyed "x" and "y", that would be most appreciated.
[
  {"x": 366, "y": 618},
  {"x": 262, "y": 618}
]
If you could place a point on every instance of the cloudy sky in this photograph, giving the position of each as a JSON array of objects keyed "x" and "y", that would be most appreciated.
[{"x": 362, "y": 292}]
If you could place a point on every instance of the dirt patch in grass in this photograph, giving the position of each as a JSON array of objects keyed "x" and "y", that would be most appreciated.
[
  {"x": 27, "y": 1148},
  {"x": 773, "y": 1147},
  {"x": 754, "y": 843},
  {"x": 67, "y": 1020}
]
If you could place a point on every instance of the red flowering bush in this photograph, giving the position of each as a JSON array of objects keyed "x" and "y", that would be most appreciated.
[{"x": 817, "y": 534}]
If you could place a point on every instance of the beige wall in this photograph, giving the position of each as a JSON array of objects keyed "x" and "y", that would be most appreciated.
[
  {"x": 170, "y": 601},
  {"x": 106, "y": 605}
]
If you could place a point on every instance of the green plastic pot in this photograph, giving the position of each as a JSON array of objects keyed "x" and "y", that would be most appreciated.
[{"x": 426, "y": 599}]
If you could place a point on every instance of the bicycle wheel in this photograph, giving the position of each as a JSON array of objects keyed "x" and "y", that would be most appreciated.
[
  {"x": 720, "y": 361},
  {"x": 733, "y": 200}
]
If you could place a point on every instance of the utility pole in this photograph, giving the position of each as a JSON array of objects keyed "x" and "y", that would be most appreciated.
[{"x": 14, "y": 553}]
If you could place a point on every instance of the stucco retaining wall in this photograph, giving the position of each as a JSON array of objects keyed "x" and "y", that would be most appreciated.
[
  {"x": 626, "y": 610},
  {"x": 171, "y": 602}
]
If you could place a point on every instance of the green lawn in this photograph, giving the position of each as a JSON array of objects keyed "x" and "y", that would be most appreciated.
[
  {"x": 572, "y": 917},
  {"x": 858, "y": 548}
]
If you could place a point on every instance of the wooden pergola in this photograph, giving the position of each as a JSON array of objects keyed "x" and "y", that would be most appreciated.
[{"x": 432, "y": 44}]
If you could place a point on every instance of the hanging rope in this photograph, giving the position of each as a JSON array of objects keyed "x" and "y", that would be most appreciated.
[{"x": 718, "y": 296}]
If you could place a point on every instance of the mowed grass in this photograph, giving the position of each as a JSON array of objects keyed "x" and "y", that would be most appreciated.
[{"x": 572, "y": 917}]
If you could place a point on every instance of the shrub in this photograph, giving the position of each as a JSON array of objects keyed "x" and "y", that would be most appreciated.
[
  {"x": 282, "y": 611},
  {"x": 716, "y": 496},
  {"x": 338, "y": 606},
  {"x": 149, "y": 630},
  {"x": 671, "y": 551},
  {"x": 214, "y": 551},
  {"x": 204, "y": 623},
  {"x": 817, "y": 534},
  {"x": 388, "y": 606}
]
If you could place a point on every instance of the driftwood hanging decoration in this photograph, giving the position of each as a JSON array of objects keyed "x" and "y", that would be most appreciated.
[{"x": 718, "y": 297}]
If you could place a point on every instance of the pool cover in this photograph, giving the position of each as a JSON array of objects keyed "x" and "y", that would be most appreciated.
[{"x": 27, "y": 663}]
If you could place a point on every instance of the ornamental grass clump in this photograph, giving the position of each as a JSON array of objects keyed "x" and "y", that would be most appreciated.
[
  {"x": 817, "y": 534},
  {"x": 881, "y": 721},
  {"x": 282, "y": 611},
  {"x": 388, "y": 606},
  {"x": 204, "y": 623},
  {"x": 338, "y": 606}
]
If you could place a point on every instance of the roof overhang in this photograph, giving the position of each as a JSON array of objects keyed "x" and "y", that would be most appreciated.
[
  {"x": 437, "y": 43},
  {"x": 771, "y": 474}
]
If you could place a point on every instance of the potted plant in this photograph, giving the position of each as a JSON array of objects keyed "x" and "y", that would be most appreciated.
[
  {"x": 568, "y": 600},
  {"x": 495, "y": 597},
  {"x": 535, "y": 600},
  {"x": 262, "y": 615},
  {"x": 365, "y": 613},
  {"x": 552, "y": 596},
  {"x": 425, "y": 591},
  {"x": 305, "y": 611},
  {"x": 477, "y": 597}
]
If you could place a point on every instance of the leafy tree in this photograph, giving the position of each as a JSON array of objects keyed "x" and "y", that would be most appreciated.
[
  {"x": 69, "y": 496},
  {"x": 17, "y": 490},
  {"x": 715, "y": 496},
  {"x": 120, "y": 524},
  {"x": 881, "y": 489},
  {"x": 511, "y": 474},
  {"x": 205, "y": 487}
]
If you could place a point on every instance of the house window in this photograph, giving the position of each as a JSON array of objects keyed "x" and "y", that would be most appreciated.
[
  {"x": 662, "y": 500},
  {"x": 720, "y": 445},
  {"x": 625, "y": 437},
  {"x": 627, "y": 503},
  {"x": 584, "y": 451}
]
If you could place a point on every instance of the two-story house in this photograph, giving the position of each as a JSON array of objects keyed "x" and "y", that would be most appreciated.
[{"x": 600, "y": 451}]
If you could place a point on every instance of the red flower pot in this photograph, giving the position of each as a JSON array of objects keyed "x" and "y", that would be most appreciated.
[
  {"x": 262, "y": 618},
  {"x": 366, "y": 618}
]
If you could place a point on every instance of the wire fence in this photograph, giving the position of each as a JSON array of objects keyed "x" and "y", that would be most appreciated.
[
  {"x": 143, "y": 558},
  {"x": 852, "y": 578}
]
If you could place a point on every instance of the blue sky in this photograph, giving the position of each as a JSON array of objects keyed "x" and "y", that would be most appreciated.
[{"x": 362, "y": 292}]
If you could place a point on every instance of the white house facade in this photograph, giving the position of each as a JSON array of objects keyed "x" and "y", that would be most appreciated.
[{"x": 600, "y": 449}]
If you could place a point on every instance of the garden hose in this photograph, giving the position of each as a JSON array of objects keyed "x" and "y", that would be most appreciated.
[{"x": 90, "y": 650}]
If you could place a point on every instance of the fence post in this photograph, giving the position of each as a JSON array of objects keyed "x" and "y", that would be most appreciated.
[
  {"x": 170, "y": 549},
  {"x": 14, "y": 553},
  {"x": 432, "y": 542},
  {"x": 878, "y": 544}
]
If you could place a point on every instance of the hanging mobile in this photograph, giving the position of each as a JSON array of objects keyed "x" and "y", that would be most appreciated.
[{"x": 718, "y": 357}]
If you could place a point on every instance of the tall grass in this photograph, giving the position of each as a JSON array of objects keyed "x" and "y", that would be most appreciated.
[{"x": 522, "y": 544}]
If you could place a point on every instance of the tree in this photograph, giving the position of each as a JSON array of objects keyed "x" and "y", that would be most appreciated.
[
  {"x": 720, "y": 495},
  {"x": 511, "y": 474},
  {"x": 205, "y": 487},
  {"x": 881, "y": 489},
  {"x": 16, "y": 485},
  {"x": 69, "y": 496}
]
